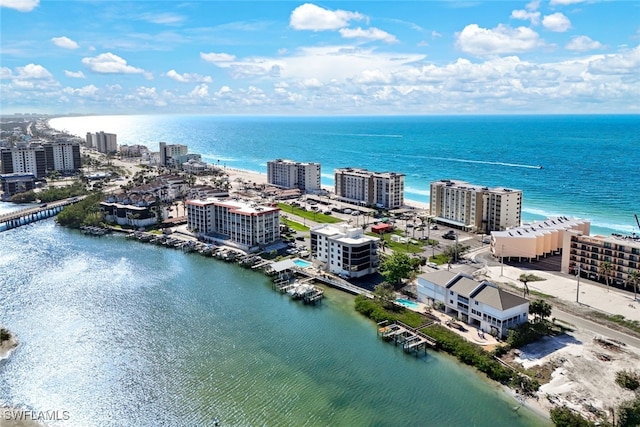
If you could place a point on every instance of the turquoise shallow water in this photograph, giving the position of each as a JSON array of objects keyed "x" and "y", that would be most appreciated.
[
  {"x": 120, "y": 333},
  {"x": 590, "y": 163}
]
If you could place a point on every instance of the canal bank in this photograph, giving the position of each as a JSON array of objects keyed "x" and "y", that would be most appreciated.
[{"x": 113, "y": 331}]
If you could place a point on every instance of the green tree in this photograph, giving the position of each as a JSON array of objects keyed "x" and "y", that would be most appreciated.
[
  {"x": 605, "y": 270},
  {"x": 396, "y": 267},
  {"x": 455, "y": 251},
  {"x": 385, "y": 293},
  {"x": 540, "y": 309},
  {"x": 525, "y": 278},
  {"x": 562, "y": 416},
  {"x": 629, "y": 413}
]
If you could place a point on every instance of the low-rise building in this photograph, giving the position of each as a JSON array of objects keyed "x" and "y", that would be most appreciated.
[
  {"x": 345, "y": 250},
  {"x": 247, "y": 226},
  {"x": 583, "y": 254},
  {"x": 129, "y": 214},
  {"x": 535, "y": 240},
  {"x": 15, "y": 183},
  {"x": 481, "y": 304}
]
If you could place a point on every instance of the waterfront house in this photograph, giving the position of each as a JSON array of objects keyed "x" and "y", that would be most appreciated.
[{"x": 480, "y": 304}]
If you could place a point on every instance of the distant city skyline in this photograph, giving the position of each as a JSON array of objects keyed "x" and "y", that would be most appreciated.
[{"x": 324, "y": 58}]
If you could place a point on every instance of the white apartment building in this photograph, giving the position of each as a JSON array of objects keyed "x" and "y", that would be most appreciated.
[
  {"x": 234, "y": 223},
  {"x": 480, "y": 304},
  {"x": 168, "y": 152},
  {"x": 63, "y": 156},
  {"x": 535, "y": 240},
  {"x": 475, "y": 208},
  {"x": 587, "y": 254},
  {"x": 345, "y": 250},
  {"x": 360, "y": 186},
  {"x": 39, "y": 158},
  {"x": 289, "y": 174},
  {"x": 25, "y": 158},
  {"x": 103, "y": 142}
]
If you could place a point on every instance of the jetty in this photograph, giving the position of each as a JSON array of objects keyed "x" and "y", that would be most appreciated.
[{"x": 411, "y": 339}]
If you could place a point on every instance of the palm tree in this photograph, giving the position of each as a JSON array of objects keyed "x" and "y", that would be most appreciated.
[
  {"x": 634, "y": 278},
  {"x": 605, "y": 270}
]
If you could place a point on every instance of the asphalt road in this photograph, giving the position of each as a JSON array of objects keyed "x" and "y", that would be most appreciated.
[{"x": 596, "y": 328}]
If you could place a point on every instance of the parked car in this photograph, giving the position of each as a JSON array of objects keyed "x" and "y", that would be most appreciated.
[
  {"x": 434, "y": 227},
  {"x": 300, "y": 238},
  {"x": 450, "y": 235}
]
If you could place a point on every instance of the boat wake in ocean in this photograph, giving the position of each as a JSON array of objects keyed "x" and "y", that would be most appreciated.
[{"x": 484, "y": 162}]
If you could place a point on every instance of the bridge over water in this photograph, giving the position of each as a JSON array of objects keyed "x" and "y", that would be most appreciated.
[{"x": 35, "y": 213}]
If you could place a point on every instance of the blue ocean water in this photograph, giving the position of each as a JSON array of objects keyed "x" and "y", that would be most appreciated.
[{"x": 590, "y": 164}]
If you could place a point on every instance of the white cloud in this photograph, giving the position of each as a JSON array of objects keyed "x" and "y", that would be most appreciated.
[
  {"x": 163, "y": 18},
  {"x": 497, "y": 41},
  {"x": 108, "y": 63},
  {"x": 20, "y": 5},
  {"x": 74, "y": 74},
  {"x": 64, "y": 42},
  {"x": 33, "y": 71},
  {"x": 5, "y": 73},
  {"x": 556, "y": 22},
  {"x": 200, "y": 91},
  {"x": 583, "y": 44},
  {"x": 315, "y": 18},
  {"x": 435, "y": 34},
  {"x": 526, "y": 15},
  {"x": 86, "y": 91},
  {"x": 617, "y": 64},
  {"x": 188, "y": 77},
  {"x": 368, "y": 34},
  {"x": 312, "y": 83},
  {"x": 565, "y": 2},
  {"x": 215, "y": 58}
]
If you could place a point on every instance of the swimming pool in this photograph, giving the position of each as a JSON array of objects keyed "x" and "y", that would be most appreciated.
[
  {"x": 301, "y": 263},
  {"x": 409, "y": 304}
]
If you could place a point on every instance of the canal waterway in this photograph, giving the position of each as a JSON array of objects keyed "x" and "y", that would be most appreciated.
[{"x": 121, "y": 333}]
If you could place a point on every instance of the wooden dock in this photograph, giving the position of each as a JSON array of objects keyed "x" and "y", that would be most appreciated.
[{"x": 410, "y": 338}]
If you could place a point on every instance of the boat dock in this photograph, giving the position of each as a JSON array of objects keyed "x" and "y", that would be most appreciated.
[
  {"x": 411, "y": 339},
  {"x": 302, "y": 290}
]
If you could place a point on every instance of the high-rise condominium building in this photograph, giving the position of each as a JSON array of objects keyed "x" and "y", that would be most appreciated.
[
  {"x": 247, "y": 226},
  {"x": 103, "y": 142},
  {"x": 475, "y": 208},
  {"x": 41, "y": 158},
  {"x": 360, "y": 186},
  {"x": 289, "y": 174}
]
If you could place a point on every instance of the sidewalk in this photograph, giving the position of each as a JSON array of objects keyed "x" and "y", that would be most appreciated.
[{"x": 598, "y": 297}]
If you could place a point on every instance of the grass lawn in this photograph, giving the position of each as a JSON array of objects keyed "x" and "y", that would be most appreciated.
[
  {"x": 401, "y": 247},
  {"x": 294, "y": 225},
  {"x": 310, "y": 215}
]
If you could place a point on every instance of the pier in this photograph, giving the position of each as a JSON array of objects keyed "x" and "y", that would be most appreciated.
[
  {"x": 411, "y": 339},
  {"x": 334, "y": 282},
  {"x": 27, "y": 216}
]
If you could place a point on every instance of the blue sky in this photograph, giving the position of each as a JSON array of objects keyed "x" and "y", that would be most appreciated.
[{"x": 320, "y": 58}]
